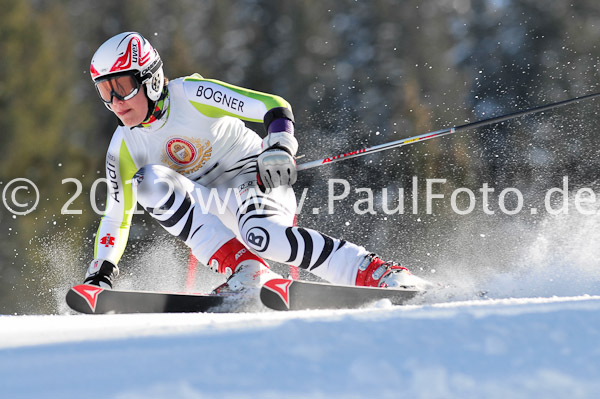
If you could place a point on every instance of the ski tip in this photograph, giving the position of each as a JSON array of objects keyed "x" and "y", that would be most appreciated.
[
  {"x": 275, "y": 293},
  {"x": 83, "y": 298}
]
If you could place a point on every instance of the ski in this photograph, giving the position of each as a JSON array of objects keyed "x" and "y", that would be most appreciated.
[
  {"x": 285, "y": 294},
  {"x": 95, "y": 300}
]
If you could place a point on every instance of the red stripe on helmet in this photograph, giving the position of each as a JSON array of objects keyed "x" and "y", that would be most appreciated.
[
  {"x": 124, "y": 62},
  {"x": 146, "y": 56},
  {"x": 94, "y": 72}
]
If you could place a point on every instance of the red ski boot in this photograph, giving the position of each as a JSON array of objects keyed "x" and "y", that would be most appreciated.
[
  {"x": 244, "y": 269},
  {"x": 374, "y": 272}
]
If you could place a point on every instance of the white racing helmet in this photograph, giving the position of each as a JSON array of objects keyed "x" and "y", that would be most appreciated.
[{"x": 129, "y": 52}]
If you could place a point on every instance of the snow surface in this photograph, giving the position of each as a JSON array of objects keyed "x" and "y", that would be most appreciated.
[
  {"x": 489, "y": 348},
  {"x": 535, "y": 335}
]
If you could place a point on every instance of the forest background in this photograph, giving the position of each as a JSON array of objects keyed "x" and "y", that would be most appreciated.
[{"x": 357, "y": 73}]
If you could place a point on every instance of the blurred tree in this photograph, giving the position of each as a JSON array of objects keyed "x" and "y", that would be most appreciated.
[{"x": 35, "y": 109}]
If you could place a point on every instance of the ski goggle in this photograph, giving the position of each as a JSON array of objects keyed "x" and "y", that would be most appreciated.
[{"x": 123, "y": 87}]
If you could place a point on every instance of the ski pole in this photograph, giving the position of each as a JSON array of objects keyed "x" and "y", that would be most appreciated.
[{"x": 439, "y": 133}]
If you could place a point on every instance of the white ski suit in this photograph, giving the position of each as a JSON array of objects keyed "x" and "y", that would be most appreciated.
[{"x": 195, "y": 173}]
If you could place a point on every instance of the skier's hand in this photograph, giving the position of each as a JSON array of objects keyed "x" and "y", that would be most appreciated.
[
  {"x": 276, "y": 164},
  {"x": 101, "y": 273},
  {"x": 276, "y": 167}
]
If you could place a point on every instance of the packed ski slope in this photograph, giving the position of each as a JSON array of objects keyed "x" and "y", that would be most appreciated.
[{"x": 517, "y": 348}]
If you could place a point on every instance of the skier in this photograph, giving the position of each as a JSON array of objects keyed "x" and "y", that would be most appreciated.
[{"x": 183, "y": 152}]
